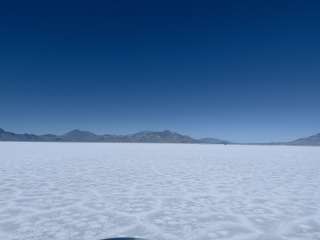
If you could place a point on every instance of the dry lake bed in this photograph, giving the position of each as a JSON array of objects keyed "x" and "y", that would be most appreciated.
[{"x": 89, "y": 191}]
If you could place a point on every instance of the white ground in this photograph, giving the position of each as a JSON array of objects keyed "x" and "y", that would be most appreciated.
[{"x": 79, "y": 191}]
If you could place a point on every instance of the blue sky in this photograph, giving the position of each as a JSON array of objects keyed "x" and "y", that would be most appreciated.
[{"x": 237, "y": 70}]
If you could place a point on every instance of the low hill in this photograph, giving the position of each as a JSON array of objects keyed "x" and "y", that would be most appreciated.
[{"x": 313, "y": 140}]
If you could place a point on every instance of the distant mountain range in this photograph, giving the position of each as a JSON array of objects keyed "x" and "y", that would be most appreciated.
[
  {"x": 165, "y": 136},
  {"x": 86, "y": 136},
  {"x": 313, "y": 140}
]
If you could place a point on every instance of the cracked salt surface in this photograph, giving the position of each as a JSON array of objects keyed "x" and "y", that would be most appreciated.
[{"x": 89, "y": 191}]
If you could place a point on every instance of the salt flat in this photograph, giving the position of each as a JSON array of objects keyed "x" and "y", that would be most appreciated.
[{"x": 88, "y": 191}]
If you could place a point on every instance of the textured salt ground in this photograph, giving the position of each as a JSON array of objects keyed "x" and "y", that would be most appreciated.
[{"x": 86, "y": 191}]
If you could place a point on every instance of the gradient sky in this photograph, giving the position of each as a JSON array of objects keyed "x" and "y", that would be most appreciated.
[{"x": 237, "y": 70}]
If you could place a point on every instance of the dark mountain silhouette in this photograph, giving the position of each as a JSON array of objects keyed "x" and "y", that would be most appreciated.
[
  {"x": 165, "y": 136},
  {"x": 10, "y": 136},
  {"x": 81, "y": 136},
  {"x": 76, "y": 135},
  {"x": 161, "y": 137}
]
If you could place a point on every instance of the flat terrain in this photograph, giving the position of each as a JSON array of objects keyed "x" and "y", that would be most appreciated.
[{"x": 87, "y": 191}]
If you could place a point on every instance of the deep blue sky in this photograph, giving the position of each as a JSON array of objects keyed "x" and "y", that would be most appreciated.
[{"x": 238, "y": 70}]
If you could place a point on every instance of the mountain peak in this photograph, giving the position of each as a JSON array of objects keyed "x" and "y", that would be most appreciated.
[
  {"x": 77, "y": 131},
  {"x": 81, "y": 136},
  {"x": 165, "y": 136}
]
